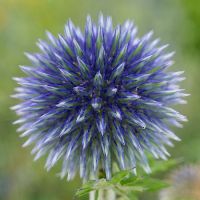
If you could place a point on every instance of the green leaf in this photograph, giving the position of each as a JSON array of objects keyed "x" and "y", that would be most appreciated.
[
  {"x": 85, "y": 189},
  {"x": 160, "y": 166},
  {"x": 155, "y": 184},
  {"x": 119, "y": 176},
  {"x": 151, "y": 184},
  {"x": 128, "y": 185},
  {"x": 129, "y": 180}
]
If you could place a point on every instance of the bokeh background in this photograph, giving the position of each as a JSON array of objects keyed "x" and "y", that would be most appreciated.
[{"x": 22, "y": 22}]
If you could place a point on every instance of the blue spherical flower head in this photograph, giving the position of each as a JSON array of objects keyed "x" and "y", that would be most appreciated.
[{"x": 97, "y": 98}]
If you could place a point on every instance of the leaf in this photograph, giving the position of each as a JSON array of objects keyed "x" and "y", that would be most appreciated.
[
  {"x": 128, "y": 180},
  {"x": 119, "y": 176},
  {"x": 127, "y": 185},
  {"x": 155, "y": 184},
  {"x": 85, "y": 189},
  {"x": 151, "y": 184},
  {"x": 132, "y": 196},
  {"x": 159, "y": 166}
]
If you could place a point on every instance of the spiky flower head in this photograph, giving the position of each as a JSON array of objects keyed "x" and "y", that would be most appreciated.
[
  {"x": 99, "y": 97},
  {"x": 185, "y": 184}
]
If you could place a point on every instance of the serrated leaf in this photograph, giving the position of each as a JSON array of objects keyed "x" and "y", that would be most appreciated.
[{"x": 126, "y": 184}]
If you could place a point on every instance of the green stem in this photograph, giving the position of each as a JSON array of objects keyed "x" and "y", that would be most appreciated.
[
  {"x": 92, "y": 195},
  {"x": 106, "y": 194}
]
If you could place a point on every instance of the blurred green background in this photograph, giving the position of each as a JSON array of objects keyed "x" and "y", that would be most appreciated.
[{"x": 22, "y": 22}]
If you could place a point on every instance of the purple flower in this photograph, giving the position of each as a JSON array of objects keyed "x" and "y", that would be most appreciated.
[{"x": 99, "y": 98}]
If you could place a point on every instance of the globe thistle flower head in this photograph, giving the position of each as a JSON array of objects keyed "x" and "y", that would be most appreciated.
[
  {"x": 99, "y": 97},
  {"x": 185, "y": 184}
]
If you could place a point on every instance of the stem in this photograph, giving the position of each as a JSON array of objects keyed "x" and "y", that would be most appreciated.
[
  {"x": 103, "y": 194},
  {"x": 92, "y": 195},
  {"x": 106, "y": 194}
]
